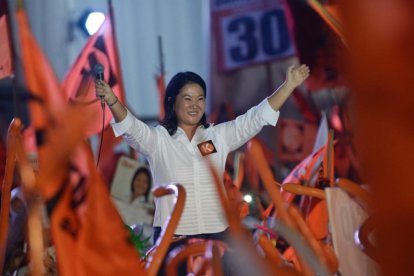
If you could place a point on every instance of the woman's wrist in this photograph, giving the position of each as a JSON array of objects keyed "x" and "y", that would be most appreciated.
[
  {"x": 289, "y": 86},
  {"x": 113, "y": 103}
]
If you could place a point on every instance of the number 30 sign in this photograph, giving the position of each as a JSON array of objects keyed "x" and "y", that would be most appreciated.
[{"x": 250, "y": 32}]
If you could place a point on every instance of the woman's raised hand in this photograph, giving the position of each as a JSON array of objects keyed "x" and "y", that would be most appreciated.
[{"x": 295, "y": 75}]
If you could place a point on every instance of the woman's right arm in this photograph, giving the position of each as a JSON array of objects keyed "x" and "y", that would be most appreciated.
[
  {"x": 103, "y": 90},
  {"x": 136, "y": 133}
]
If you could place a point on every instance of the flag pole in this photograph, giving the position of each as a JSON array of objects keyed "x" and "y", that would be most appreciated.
[
  {"x": 160, "y": 80},
  {"x": 117, "y": 57},
  {"x": 330, "y": 158},
  {"x": 161, "y": 55}
]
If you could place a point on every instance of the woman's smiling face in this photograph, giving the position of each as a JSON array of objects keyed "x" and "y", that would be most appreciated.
[{"x": 190, "y": 105}]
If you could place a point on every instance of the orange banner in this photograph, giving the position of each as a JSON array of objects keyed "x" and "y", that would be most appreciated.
[
  {"x": 101, "y": 49},
  {"x": 40, "y": 78},
  {"x": 87, "y": 232}
]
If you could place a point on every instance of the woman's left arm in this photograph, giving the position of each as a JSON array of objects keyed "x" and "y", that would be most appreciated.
[
  {"x": 295, "y": 75},
  {"x": 235, "y": 133}
]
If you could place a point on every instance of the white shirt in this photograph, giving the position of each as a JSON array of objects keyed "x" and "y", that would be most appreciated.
[
  {"x": 178, "y": 160},
  {"x": 134, "y": 212}
]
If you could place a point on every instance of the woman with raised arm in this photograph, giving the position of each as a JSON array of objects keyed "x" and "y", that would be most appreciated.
[{"x": 176, "y": 149}]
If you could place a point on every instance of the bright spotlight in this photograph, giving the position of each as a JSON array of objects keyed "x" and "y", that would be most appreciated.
[
  {"x": 90, "y": 21},
  {"x": 248, "y": 198},
  {"x": 94, "y": 21}
]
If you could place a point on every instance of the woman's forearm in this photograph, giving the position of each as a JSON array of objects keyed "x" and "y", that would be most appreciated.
[
  {"x": 295, "y": 76},
  {"x": 104, "y": 91},
  {"x": 118, "y": 110},
  {"x": 278, "y": 97}
]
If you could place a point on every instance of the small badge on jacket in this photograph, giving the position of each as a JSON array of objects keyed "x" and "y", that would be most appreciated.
[{"x": 206, "y": 148}]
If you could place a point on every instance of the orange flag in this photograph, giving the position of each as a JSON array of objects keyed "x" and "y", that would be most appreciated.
[
  {"x": 6, "y": 67},
  {"x": 380, "y": 35},
  {"x": 108, "y": 158},
  {"x": 41, "y": 83},
  {"x": 40, "y": 78},
  {"x": 100, "y": 48},
  {"x": 306, "y": 170},
  {"x": 87, "y": 232}
]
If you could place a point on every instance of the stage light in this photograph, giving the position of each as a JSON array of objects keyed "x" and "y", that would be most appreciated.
[
  {"x": 335, "y": 119},
  {"x": 94, "y": 21},
  {"x": 90, "y": 21},
  {"x": 248, "y": 198}
]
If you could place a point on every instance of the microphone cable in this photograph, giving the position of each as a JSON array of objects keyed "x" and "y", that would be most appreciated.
[
  {"x": 102, "y": 135},
  {"x": 98, "y": 70}
]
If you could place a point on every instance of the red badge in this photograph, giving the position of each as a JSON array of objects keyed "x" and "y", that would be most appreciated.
[{"x": 207, "y": 148}]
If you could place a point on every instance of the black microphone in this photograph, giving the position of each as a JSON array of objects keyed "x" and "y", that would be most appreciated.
[{"x": 98, "y": 70}]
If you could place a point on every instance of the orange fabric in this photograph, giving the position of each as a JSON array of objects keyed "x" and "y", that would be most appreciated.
[
  {"x": 314, "y": 164},
  {"x": 319, "y": 169},
  {"x": 87, "y": 231},
  {"x": 317, "y": 220},
  {"x": 250, "y": 167},
  {"x": 5, "y": 51},
  {"x": 380, "y": 35},
  {"x": 252, "y": 174},
  {"x": 290, "y": 256},
  {"x": 304, "y": 171},
  {"x": 100, "y": 48},
  {"x": 255, "y": 151},
  {"x": 12, "y": 137},
  {"x": 235, "y": 196},
  {"x": 40, "y": 78},
  {"x": 42, "y": 83},
  {"x": 108, "y": 159}
]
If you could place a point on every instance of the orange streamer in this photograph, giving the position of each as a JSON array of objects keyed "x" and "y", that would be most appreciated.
[
  {"x": 13, "y": 132},
  {"x": 304, "y": 190},
  {"x": 166, "y": 235},
  {"x": 256, "y": 152},
  {"x": 355, "y": 190}
]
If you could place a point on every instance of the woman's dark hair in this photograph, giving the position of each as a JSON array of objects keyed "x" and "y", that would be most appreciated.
[
  {"x": 146, "y": 171},
  {"x": 173, "y": 89}
]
